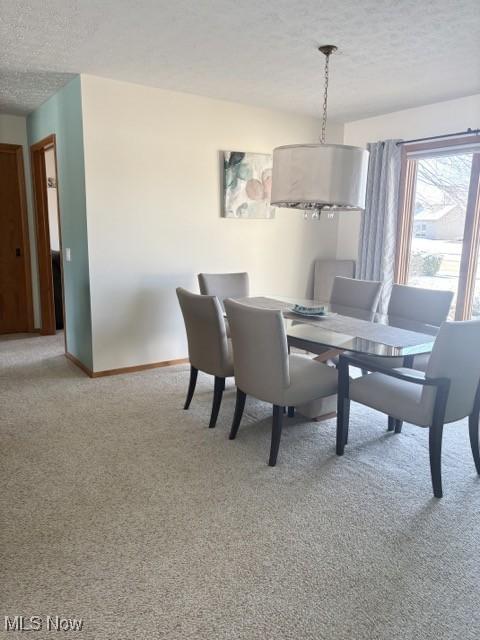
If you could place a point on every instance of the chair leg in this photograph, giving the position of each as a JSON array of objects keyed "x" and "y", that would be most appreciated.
[
  {"x": 237, "y": 416},
  {"x": 343, "y": 419},
  {"x": 346, "y": 413},
  {"x": 398, "y": 426},
  {"x": 391, "y": 423},
  {"x": 291, "y": 412},
  {"x": 191, "y": 386},
  {"x": 343, "y": 405},
  {"x": 217, "y": 400},
  {"x": 276, "y": 434},
  {"x": 435, "y": 447},
  {"x": 473, "y": 430}
]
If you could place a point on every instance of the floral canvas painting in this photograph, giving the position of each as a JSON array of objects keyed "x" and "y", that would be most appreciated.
[{"x": 247, "y": 181}]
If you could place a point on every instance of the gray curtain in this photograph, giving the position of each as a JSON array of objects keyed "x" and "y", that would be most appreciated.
[{"x": 378, "y": 230}]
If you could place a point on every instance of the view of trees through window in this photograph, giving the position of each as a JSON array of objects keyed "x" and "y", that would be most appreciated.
[{"x": 442, "y": 185}]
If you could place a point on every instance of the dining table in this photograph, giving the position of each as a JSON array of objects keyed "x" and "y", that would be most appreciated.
[{"x": 342, "y": 328}]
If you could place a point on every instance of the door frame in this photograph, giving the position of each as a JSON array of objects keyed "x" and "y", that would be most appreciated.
[
  {"x": 40, "y": 197},
  {"x": 17, "y": 150}
]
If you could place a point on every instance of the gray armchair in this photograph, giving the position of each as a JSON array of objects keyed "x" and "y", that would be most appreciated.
[
  {"x": 360, "y": 294},
  {"x": 408, "y": 307},
  {"x": 224, "y": 285},
  {"x": 209, "y": 349},
  {"x": 448, "y": 391},
  {"x": 265, "y": 370},
  {"x": 427, "y": 306},
  {"x": 412, "y": 306},
  {"x": 325, "y": 271}
]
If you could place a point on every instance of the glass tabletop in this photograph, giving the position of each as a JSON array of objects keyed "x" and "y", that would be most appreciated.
[{"x": 352, "y": 329}]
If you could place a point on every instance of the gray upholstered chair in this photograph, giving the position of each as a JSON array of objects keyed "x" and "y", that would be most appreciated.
[
  {"x": 427, "y": 306},
  {"x": 349, "y": 295},
  {"x": 325, "y": 271},
  {"x": 448, "y": 391},
  {"x": 416, "y": 305},
  {"x": 360, "y": 294},
  {"x": 209, "y": 349},
  {"x": 409, "y": 306},
  {"x": 224, "y": 285},
  {"x": 265, "y": 370}
]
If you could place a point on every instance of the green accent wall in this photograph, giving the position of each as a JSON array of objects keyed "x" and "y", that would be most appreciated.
[{"x": 62, "y": 115}]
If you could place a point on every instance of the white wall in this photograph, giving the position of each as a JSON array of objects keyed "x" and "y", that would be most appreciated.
[
  {"x": 50, "y": 171},
  {"x": 13, "y": 130},
  {"x": 152, "y": 171},
  {"x": 430, "y": 120}
]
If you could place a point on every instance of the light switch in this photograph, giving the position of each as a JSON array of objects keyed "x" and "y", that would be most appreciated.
[{"x": 68, "y": 255}]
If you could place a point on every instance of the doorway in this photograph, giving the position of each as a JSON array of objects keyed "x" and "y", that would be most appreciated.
[
  {"x": 49, "y": 237},
  {"x": 16, "y": 307}
]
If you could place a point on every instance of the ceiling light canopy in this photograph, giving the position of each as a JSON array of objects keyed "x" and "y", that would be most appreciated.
[{"x": 318, "y": 176}]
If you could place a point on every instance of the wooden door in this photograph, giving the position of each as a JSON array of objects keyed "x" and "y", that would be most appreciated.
[{"x": 15, "y": 278}]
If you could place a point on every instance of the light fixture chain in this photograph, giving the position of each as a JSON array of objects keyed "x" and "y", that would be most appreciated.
[{"x": 325, "y": 100}]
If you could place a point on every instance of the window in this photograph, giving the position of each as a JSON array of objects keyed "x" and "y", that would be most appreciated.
[{"x": 439, "y": 220}]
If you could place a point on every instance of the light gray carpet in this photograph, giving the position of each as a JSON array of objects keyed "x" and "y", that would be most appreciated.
[{"x": 122, "y": 509}]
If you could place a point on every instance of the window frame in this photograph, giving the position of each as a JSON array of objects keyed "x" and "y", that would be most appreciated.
[{"x": 411, "y": 152}]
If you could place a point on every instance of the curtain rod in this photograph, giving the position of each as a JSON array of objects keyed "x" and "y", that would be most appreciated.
[{"x": 445, "y": 135}]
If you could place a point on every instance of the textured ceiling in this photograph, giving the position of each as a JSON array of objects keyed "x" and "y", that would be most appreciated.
[{"x": 393, "y": 54}]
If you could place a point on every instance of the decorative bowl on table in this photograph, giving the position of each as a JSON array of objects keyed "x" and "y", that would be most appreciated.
[{"x": 316, "y": 311}]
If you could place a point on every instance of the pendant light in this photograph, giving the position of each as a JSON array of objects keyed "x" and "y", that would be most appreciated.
[{"x": 320, "y": 176}]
